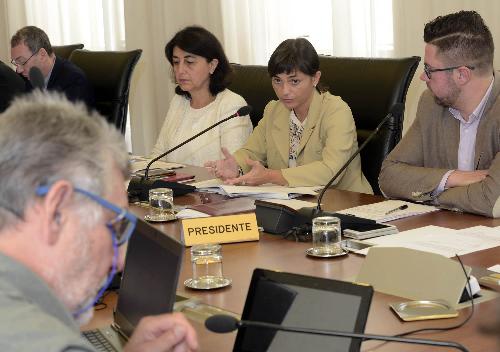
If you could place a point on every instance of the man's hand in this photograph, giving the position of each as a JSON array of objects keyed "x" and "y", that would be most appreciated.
[
  {"x": 464, "y": 178},
  {"x": 258, "y": 175},
  {"x": 162, "y": 333},
  {"x": 226, "y": 168}
]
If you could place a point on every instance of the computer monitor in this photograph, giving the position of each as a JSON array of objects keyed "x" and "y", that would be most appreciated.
[{"x": 293, "y": 300}]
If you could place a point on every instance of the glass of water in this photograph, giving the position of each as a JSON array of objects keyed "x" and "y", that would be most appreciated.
[
  {"x": 206, "y": 260},
  {"x": 327, "y": 237},
  {"x": 161, "y": 202}
]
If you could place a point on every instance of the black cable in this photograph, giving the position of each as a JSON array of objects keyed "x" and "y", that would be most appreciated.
[
  {"x": 100, "y": 305},
  {"x": 454, "y": 326}
]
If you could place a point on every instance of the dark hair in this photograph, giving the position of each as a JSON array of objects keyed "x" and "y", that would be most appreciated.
[
  {"x": 463, "y": 39},
  {"x": 33, "y": 37},
  {"x": 197, "y": 40},
  {"x": 294, "y": 54}
]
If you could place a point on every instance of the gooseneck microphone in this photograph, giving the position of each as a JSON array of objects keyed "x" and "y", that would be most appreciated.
[
  {"x": 139, "y": 187},
  {"x": 244, "y": 110},
  {"x": 272, "y": 214},
  {"x": 221, "y": 323},
  {"x": 36, "y": 78},
  {"x": 397, "y": 109}
]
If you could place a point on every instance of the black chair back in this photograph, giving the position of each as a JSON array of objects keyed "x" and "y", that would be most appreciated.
[
  {"x": 369, "y": 86},
  {"x": 109, "y": 72},
  {"x": 65, "y": 51}
]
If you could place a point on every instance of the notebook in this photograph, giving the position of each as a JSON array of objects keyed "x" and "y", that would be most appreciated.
[
  {"x": 294, "y": 300},
  {"x": 148, "y": 285}
]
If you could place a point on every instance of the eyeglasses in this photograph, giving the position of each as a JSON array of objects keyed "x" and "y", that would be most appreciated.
[
  {"x": 428, "y": 71},
  {"x": 17, "y": 63},
  {"x": 121, "y": 227}
]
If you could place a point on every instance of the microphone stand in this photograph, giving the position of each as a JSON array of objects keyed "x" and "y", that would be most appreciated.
[
  {"x": 276, "y": 218},
  {"x": 139, "y": 186},
  {"x": 263, "y": 325},
  {"x": 146, "y": 172}
]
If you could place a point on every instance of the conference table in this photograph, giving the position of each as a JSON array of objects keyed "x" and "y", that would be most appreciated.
[{"x": 273, "y": 252}]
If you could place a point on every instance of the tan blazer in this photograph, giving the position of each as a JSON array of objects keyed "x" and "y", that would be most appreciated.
[
  {"x": 430, "y": 148},
  {"x": 328, "y": 140}
]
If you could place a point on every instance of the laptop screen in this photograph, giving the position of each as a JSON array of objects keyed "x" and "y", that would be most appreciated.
[
  {"x": 150, "y": 275},
  {"x": 293, "y": 300}
]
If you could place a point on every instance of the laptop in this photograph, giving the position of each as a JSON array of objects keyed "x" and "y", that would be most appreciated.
[
  {"x": 148, "y": 285},
  {"x": 293, "y": 300}
]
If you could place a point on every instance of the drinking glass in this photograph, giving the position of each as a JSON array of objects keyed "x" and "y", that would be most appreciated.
[
  {"x": 206, "y": 261},
  {"x": 327, "y": 237},
  {"x": 161, "y": 203}
]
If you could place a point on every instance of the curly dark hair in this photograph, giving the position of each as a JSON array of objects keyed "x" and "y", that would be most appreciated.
[
  {"x": 294, "y": 54},
  {"x": 199, "y": 41},
  {"x": 462, "y": 38}
]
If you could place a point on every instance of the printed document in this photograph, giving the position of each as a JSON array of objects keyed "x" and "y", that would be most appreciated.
[
  {"x": 441, "y": 240},
  {"x": 388, "y": 210}
]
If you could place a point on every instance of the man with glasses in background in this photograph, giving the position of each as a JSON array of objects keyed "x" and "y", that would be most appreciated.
[
  {"x": 30, "y": 47},
  {"x": 63, "y": 220},
  {"x": 450, "y": 155}
]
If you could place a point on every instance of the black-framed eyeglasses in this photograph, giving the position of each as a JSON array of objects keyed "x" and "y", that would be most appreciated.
[
  {"x": 428, "y": 71},
  {"x": 17, "y": 63},
  {"x": 121, "y": 226}
]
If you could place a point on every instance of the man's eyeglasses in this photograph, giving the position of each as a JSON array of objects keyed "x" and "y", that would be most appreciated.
[
  {"x": 120, "y": 226},
  {"x": 428, "y": 71},
  {"x": 17, "y": 63}
]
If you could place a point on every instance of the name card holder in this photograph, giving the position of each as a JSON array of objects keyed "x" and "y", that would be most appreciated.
[{"x": 220, "y": 229}]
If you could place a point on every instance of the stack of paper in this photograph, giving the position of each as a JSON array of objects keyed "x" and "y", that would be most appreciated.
[
  {"x": 267, "y": 191},
  {"x": 388, "y": 210},
  {"x": 139, "y": 163}
]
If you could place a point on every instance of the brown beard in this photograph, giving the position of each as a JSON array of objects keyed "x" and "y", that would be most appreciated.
[{"x": 451, "y": 98}]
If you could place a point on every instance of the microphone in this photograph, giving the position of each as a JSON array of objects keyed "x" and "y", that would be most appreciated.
[
  {"x": 36, "y": 78},
  {"x": 221, "y": 324},
  {"x": 285, "y": 223},
  {"x": 139, "y": 186}
]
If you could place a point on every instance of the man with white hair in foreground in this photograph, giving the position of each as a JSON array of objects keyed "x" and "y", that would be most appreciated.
[{"x": 63, "y": 218}]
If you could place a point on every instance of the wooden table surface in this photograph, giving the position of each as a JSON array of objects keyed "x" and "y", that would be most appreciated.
[{"x": 273, "y": 252}]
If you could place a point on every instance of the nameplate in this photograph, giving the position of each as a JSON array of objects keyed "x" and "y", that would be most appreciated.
[{"x": 220, "y": 229}]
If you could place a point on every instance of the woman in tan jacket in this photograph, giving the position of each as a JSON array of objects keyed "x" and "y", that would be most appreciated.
[{"x": 304, "y": 137}]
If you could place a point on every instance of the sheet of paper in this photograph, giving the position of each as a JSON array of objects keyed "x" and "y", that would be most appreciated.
[
  {"x": 441, "y": 240},
  {"x": 495, "y": 268},
  {"x": 388, "y": 210},
  {"x": 268, "y": 191},
  {"x": 190, "y": 214},
  {"x": 139, "y": 163},
  {"x": 212, "y": 183}
]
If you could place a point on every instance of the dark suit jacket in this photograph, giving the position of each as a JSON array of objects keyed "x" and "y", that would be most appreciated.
[
  {"x": 11, "y": 84},
  {"x": 69, "y": 79},
  {"x": 429, "y": 149}
]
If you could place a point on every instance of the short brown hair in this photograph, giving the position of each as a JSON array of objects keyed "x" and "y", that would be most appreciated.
[
  {"x": 462, "y": 38},
  {"x": 33, "y": 37}
]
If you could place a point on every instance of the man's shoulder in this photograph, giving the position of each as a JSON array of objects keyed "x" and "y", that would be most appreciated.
[
  {"x": 26, "y": 326},
  {"x": 68, "y": 70}
]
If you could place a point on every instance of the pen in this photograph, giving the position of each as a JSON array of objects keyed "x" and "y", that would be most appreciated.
[
  {"x": 402, "y": 207},
  {"x": 478, "y": 160}
]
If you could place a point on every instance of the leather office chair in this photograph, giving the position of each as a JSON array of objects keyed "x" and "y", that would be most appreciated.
[
  {"x": 370, "y": 87},
  {"x": 110, "y": 73},
  {"x": 65, "y": 51},
  {"x": 252, "y": 82}
]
